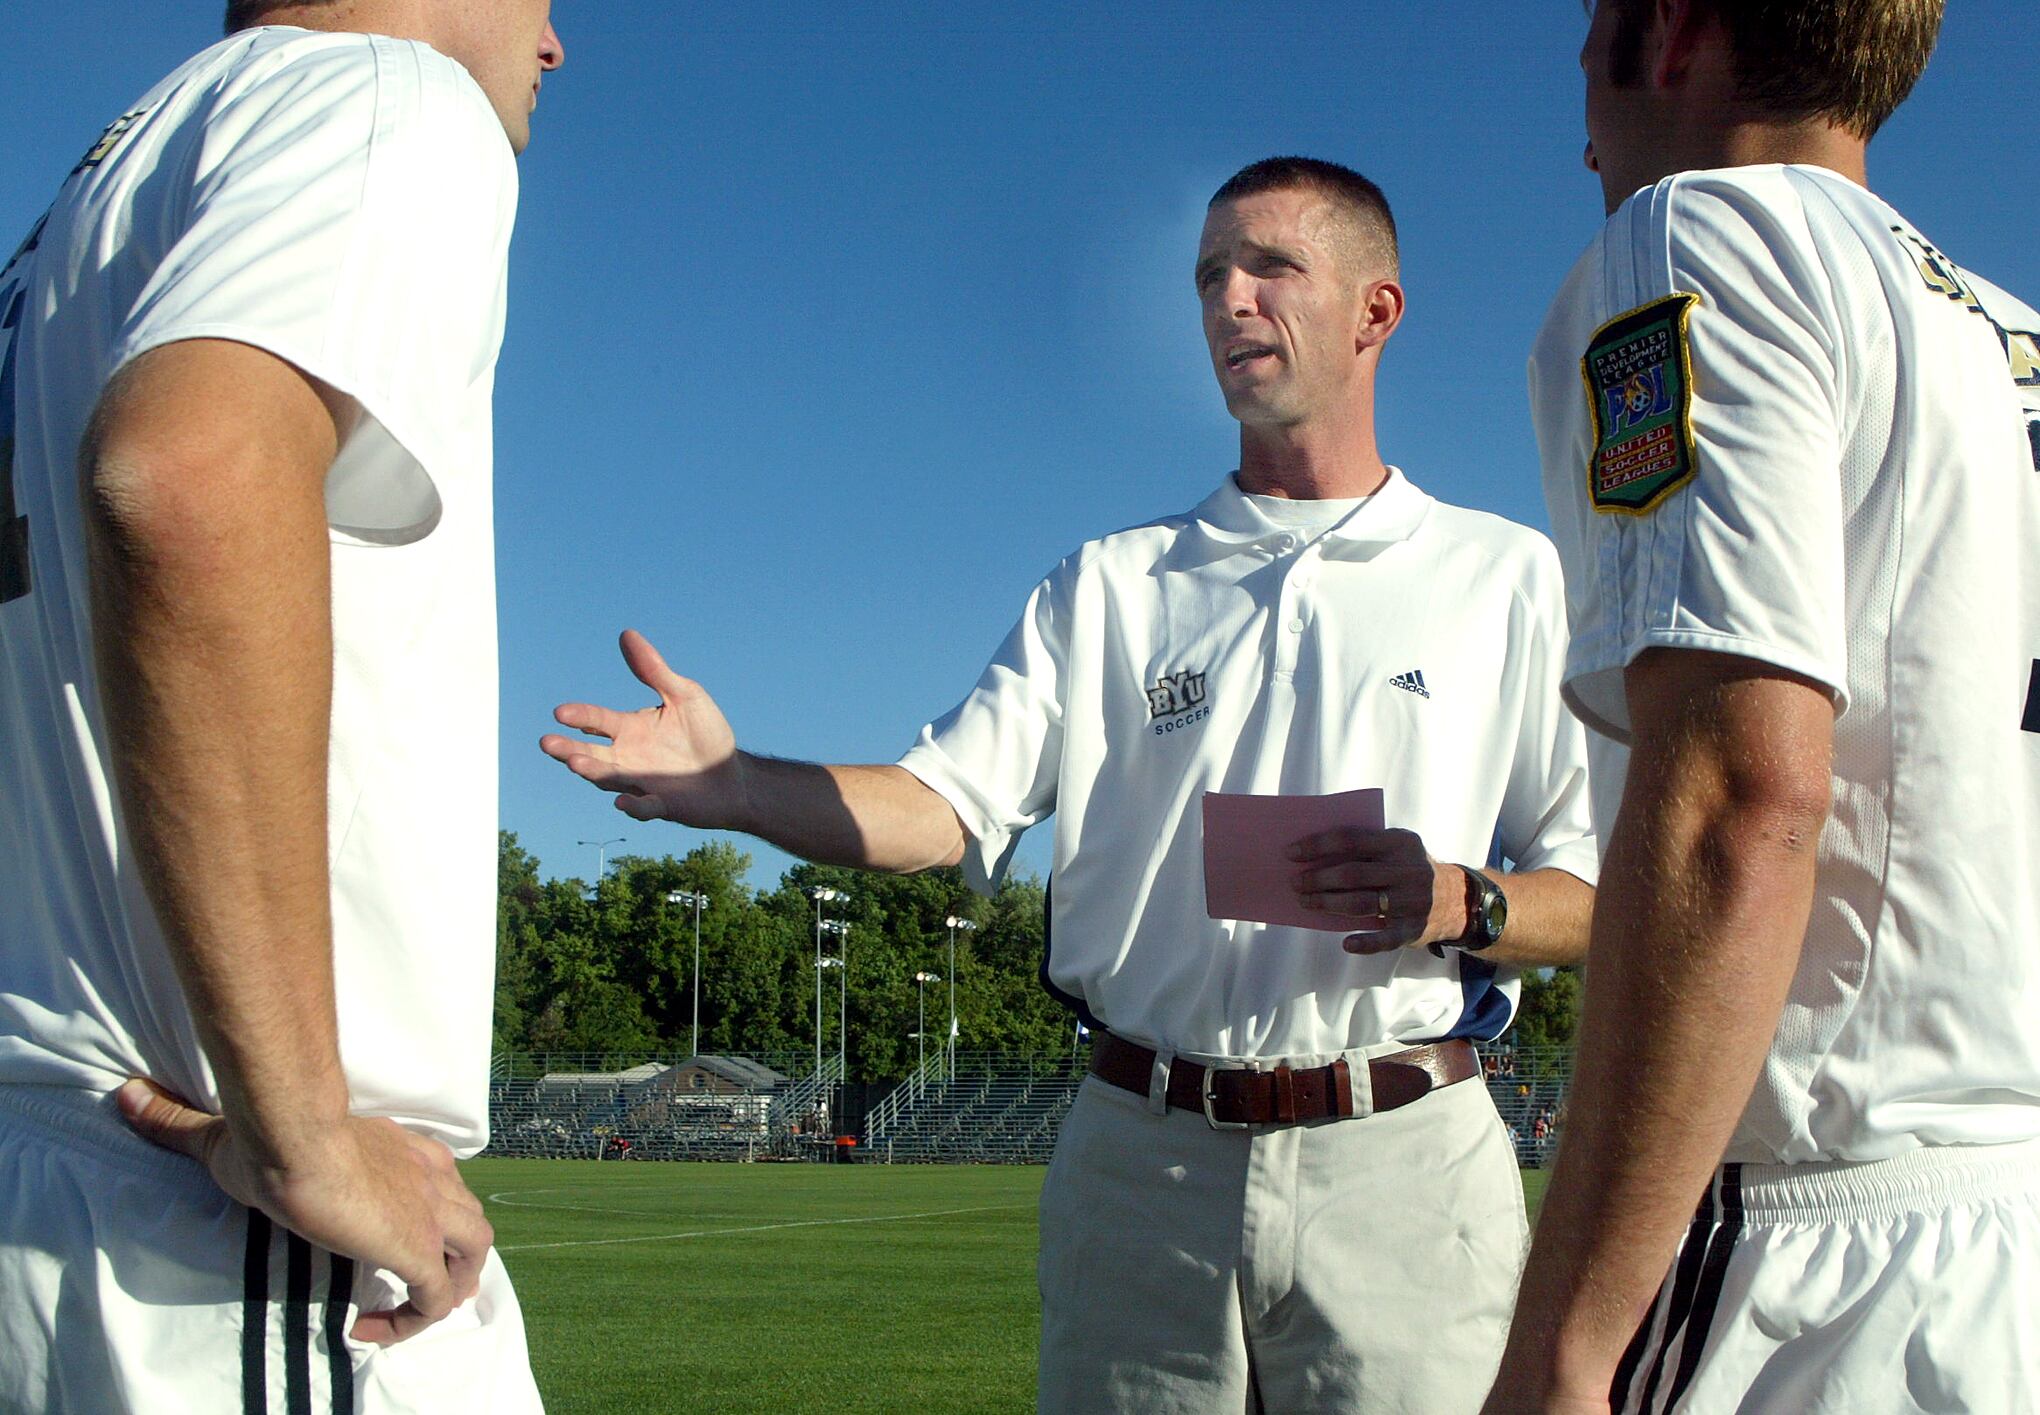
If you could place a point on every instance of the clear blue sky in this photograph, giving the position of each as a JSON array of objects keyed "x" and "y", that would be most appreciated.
[{"x": 834, "y": 325}]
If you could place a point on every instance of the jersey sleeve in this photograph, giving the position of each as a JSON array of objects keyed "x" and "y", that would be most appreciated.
[
  {"x": 1546, "y": 819},
  {"x": 997, "y": 755},
  {"x": 1707, "y": 509},
  {"x": 349, "y": 211}
]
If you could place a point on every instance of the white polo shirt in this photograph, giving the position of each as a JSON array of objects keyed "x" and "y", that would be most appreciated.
[
  {"x": 1805, "y": 436},
  {"x": 345, "y": 202},
  {"x": 1412, "y": 646}
]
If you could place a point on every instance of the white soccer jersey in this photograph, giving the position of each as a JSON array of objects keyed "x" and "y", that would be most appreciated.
[
  {"x": 343, "y": 201},
  {"x": 1412, "y": 646},
  {"x": 1806, "y": 437}
]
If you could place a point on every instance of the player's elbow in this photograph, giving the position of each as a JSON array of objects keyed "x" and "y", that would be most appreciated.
[
  {"x": 1776, "y": 802},
  {"x": 136, "y": 508},
  {"x": 1759, "y": 842},
  {"x": 144, "y": 512},
  {"x": 167, "y": 506},
  {"x": 204, "y": 449}
]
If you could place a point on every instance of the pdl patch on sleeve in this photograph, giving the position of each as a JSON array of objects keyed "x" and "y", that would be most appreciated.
[{"x": 1639, "y": 378}]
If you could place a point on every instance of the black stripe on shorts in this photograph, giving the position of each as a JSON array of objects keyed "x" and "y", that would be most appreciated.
[
  {"x": 297, "y": 1328},
  {"x": 1685, "y": 1285},
  {"x": 298, "y": 1332},
  {"x": 1712, "y": 1279},
  {"x": 255, "y": 1317},
  {"x": 1639, "y": 1346},
  {"x": 339, "y": 1367}
]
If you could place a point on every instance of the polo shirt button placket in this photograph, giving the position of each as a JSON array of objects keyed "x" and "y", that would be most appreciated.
[{"x": 1290, "y": 609}]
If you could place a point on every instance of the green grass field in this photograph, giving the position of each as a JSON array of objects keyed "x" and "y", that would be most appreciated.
[{"x": 774, "y": 1288}]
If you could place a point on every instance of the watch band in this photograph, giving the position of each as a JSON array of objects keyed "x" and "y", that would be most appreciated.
[{"x": 1487, "y": 913}]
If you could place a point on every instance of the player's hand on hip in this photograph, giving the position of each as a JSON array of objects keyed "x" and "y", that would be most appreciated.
[
  {"x": 366, "y": 1189},
  {"x": 676, "y": 760},
  {"x": 1396, "y": 895}
]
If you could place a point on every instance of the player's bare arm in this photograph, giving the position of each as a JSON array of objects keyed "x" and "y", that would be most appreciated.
[
  {"x": 1400, "y": 897},
  {"x": 1704, "y": 900},
  {"x": 203, "y": 475},
  {"x": 679, "y": 761}
]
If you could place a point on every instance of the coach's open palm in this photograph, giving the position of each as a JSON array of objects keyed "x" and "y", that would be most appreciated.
[{"x": 677, "y": 761}]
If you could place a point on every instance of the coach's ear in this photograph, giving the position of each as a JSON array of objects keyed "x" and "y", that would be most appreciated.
[{"x": 165, "y": 1119}]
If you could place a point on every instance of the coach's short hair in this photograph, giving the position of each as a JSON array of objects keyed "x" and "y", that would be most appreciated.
[
  {"x": 1356, "y": 203},
  {"x": 1850, "y": 62}
]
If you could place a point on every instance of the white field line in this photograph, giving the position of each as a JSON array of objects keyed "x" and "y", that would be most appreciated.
[
  {"x": 508, "y": 1202},
  {"x": 753, "y": 1228}
]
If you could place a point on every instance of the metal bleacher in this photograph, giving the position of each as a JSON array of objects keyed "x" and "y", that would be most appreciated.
[
  {"x": 702, "y": 1108},
  {"x": 988, "y": 1109}
]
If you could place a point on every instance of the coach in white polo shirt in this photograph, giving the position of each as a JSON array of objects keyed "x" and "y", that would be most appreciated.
[
  {"x": 1330, "y": 1218},
  {"x": 246, "y": 559}
]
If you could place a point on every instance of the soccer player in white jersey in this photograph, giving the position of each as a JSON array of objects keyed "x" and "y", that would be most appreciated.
[
  {"x": 1790, "y": 452},
  {"x": 245, "y": 371},
  {"x": 1282, "y": 1188}
]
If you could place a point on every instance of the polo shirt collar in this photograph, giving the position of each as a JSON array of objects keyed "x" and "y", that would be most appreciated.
[{"x": 1229, "y": 517}]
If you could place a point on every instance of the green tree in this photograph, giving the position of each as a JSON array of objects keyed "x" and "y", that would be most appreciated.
[
  {"x": 650, "y": 938},
  {"x": 517, "y": 912},
  {"x": 611, "y": 969},
  {"x": 1549, "y": 1015}
]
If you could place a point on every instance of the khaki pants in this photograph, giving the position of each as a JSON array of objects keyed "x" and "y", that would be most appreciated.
[{"x": 1351, "y": 1265}]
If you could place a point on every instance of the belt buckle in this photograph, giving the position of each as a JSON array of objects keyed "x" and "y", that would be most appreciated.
[{"x": 1209, "y": 1097}]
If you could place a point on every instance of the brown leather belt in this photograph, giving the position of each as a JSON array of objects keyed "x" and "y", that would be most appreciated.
[{"x": 1233, "y": 1099}]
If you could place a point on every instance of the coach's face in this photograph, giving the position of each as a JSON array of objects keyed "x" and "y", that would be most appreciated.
[
  {"x": 1282, "y": 314},
  {"x": 508, "y": 46}
]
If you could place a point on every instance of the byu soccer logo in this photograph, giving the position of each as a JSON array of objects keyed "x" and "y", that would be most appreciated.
[{"x": 1174, "y": 693}]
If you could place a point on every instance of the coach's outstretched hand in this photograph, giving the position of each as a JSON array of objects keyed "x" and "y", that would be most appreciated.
[
  {"x": 368, "y": 1190},
  {"x": 676, "y": 761}
]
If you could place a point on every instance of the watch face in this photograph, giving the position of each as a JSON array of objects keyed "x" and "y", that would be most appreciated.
[{"x": 1493, "y": 914}]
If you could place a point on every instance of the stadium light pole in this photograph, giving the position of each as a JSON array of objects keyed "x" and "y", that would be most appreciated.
[
  {"x": 843, "y": 1009},
  {"x": 921, "y": 981},
  {"x": 821, "y": 894},
  {"x": 602, "y": 856},
  {"x": 842, "y": 967},
  {"x": 839, "y": 930},
  {"x": 696, "y": 898},
  {"x": 955, "y": 922}
]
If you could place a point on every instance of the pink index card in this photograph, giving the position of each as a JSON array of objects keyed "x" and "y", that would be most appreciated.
[{"x": 1247, "y": 870}]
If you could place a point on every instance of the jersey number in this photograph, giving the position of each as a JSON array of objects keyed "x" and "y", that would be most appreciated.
[{"x": 13, "y": 528}]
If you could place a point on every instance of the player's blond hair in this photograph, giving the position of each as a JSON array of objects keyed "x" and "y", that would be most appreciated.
[{"x": 1850, "y": 62}]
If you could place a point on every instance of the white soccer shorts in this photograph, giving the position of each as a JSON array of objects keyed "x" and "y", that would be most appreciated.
[
  {"x": 1900, "y": 1285},
  {"x": 130, "y": 1283},
  {"x": 1365, "y": 1265}
]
